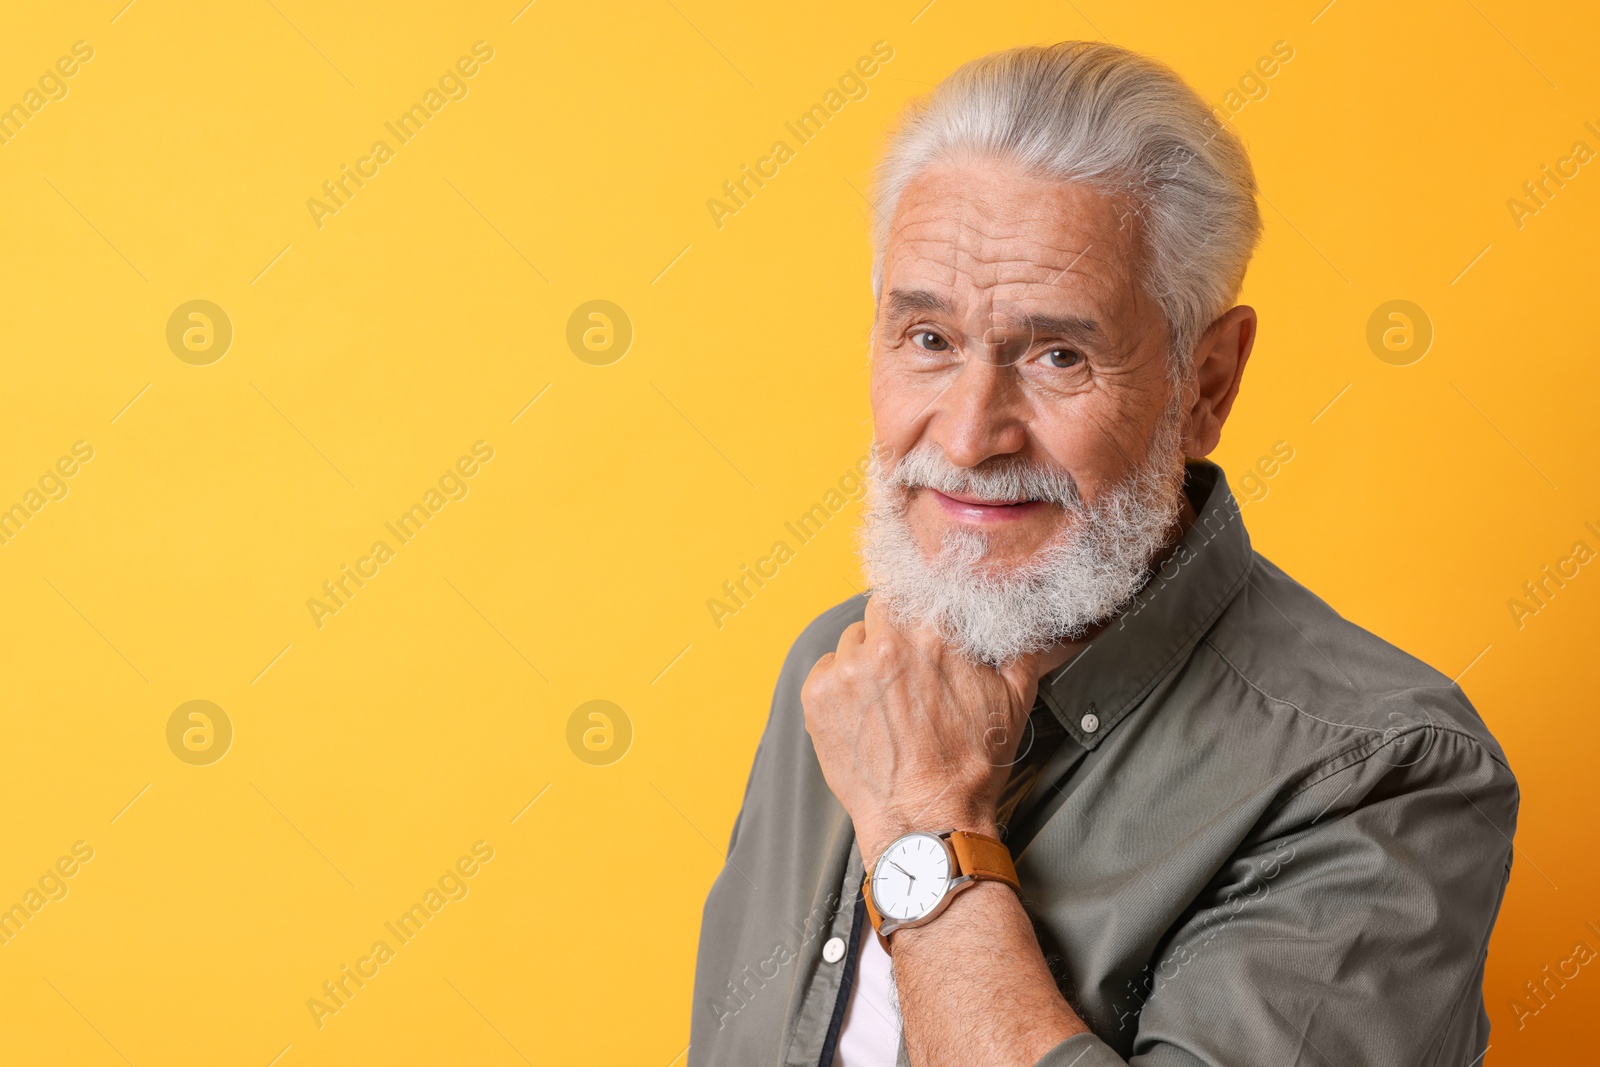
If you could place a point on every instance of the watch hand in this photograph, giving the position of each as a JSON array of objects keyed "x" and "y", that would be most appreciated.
[{"x": 902, "y": 870}]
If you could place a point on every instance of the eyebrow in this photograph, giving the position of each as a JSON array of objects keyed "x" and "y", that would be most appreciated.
[{"x": 902, "y": 302}]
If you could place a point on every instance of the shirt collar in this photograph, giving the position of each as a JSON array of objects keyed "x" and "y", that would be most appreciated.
[{"x": 1098, "y": 687}]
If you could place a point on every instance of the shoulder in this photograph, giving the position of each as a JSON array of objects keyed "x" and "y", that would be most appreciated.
[{"x": 1329, "y": 678}]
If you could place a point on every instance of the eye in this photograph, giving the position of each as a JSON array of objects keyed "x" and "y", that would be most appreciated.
[
  {"x": 930, "y": 341},
  {"x": 1061, "y": 358}
]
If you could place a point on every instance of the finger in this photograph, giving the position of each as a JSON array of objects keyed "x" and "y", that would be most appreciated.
[
  {"x": 881, "y": 627},
  {"x": 819, "y": 671},
  {"x": 927, "y": 639},
  {"x": 878, "y": 630},
  {"x": 1022, "y": 674},
  {"x": 923, "y": 637},
  {"x": 876, "y": 616},
  {"x": 851, "y": 640}
]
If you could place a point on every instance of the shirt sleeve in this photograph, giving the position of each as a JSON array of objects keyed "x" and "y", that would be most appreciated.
[
  {"x": 1355, "y": 933},
  {"x": 1082, "y": 1050}
]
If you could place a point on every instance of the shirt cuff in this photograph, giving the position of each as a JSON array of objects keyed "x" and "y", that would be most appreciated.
[{"x": 1082, "y": 1050}]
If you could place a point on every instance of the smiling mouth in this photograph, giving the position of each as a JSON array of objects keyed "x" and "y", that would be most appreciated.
[{"x": 972, "y": 509}]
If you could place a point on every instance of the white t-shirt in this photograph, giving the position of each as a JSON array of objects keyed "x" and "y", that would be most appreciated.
[{"x": 871, "y": 1034}]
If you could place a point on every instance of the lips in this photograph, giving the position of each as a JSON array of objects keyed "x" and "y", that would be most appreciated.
[
  {"x": 970, "y": 509},
  {"x": 981, "y": 502}
]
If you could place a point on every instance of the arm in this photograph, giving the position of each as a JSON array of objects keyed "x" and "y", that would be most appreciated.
[
  {"x": 1355, "y": 922},
  {"x": 974, "y": 988},
  {"x": 910, "y": 738}
]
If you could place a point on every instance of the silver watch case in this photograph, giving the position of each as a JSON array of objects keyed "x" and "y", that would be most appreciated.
[{"x": 952, "y": 887}]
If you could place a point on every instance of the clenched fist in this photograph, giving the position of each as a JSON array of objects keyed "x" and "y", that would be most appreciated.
[{"x": 910, "y": 735}]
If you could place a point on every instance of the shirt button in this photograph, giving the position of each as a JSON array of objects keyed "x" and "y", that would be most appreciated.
[
  {"x": 833, "y": 951},
  {"x": 1090, "y": 723}
]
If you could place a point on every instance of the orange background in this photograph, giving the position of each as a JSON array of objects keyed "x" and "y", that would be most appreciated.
[{"x": 432, "y": 710}]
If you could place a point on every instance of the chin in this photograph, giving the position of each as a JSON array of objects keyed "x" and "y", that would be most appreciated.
[
  {"x": 999, "y": 589},
  {"x": 994, "y": 595},
  {"x": 990, "y": 552}
]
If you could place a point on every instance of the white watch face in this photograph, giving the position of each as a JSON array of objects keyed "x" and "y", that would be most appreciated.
[{"x": 911, "y": 877}]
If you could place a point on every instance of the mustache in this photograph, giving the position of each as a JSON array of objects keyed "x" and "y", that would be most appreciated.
[{"x": 1000, "y": 478}]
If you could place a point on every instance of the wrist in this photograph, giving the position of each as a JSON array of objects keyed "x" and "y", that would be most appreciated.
[{"x": 873, "y": 837}]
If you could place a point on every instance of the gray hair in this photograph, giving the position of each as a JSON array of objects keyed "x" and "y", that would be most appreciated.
[{"x": 1093, "y": 113}]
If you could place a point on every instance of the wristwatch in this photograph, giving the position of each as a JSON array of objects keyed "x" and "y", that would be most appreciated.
[{"x": 918, "y": 875}]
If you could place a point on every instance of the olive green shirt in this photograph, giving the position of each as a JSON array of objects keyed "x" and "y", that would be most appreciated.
[{"x": 1266, "y": 837}]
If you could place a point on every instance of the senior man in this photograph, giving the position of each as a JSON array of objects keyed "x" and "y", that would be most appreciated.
[{"x": 1084, "y": 780}]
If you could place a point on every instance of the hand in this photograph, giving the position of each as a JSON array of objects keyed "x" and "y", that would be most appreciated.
[{"x": 910, "y": 735}]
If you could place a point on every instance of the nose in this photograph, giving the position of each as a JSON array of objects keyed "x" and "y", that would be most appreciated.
[{"x": 980, "y": 415}]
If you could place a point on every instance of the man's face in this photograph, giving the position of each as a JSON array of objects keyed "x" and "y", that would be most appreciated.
[{"x": 1012, "y": 328}]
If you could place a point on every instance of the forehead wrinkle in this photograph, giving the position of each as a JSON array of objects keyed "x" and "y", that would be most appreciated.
[
  {"x": 1010, "y": 282},
  {"x": 991, "y": 258},
  {"x": 1003, "y": 250}
]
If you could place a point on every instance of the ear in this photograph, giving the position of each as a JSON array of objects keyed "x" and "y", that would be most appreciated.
[{"x": 1219, "y": 361}]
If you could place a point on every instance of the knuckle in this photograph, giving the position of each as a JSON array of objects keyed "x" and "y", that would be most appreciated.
[
  {"x": 884, "y": 646},
  {"x": 819, "y": 685},
  {"x": 812, "y": 685}
]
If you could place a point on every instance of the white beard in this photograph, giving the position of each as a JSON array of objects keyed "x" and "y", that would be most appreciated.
[{"x": 1085, "y": 574}]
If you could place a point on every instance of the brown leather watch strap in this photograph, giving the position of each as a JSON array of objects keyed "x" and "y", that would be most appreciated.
[
  {"x": 978, "y": 856},
  {"x": 983, "y": 857},
  {"x": 872, "y": 911}
]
